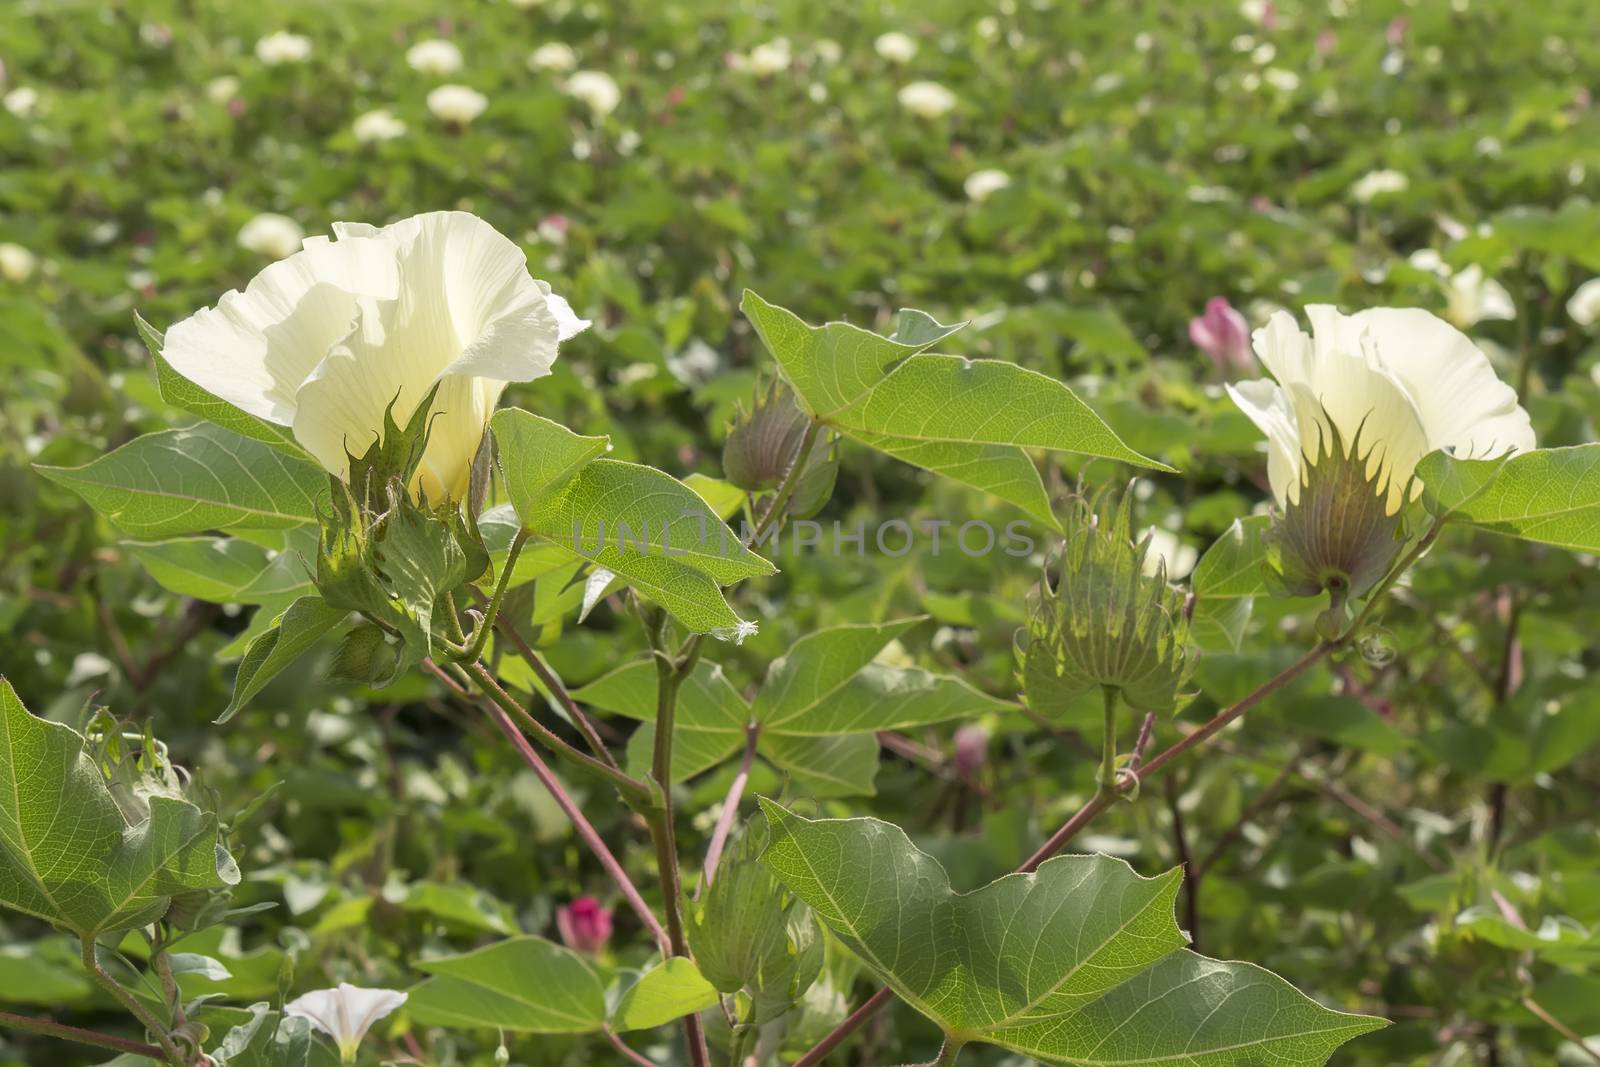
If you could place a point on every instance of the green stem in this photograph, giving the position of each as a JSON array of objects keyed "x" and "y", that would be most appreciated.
[
  {"x": 480, "y": 636},
  {"x": 947, "y": 1053},
  {"x": 1108, "y": 751},
  {"x": 91, "y": 963},
  {"x": 110, "y": 1042}
]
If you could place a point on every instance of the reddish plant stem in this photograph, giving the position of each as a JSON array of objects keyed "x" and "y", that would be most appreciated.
[
  {"x": 627, "y": 1053},
  {"x": 730, "y": 807},
  {"x": 80, "y": 1036},
  {"x": 584, "y": 724}
]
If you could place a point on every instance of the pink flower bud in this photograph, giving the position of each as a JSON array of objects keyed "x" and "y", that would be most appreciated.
[
  {"x": 1396, "y": 33},
  {"x": 1269, "y": 16},
  {"x": 972, "y": 748},
  {"x": 1327, "y": 41},
  {"x": 584, "y": 925},
  {"x": 1223, "y": 335}
]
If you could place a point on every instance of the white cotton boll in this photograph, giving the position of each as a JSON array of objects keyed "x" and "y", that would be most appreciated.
[
  {"x": 275, "y": 236},
  {"x": 927, "y": 100},
  {"x": 596, "y": 89},
  {"x": 556, "y": 56},
  {"x": 982, "y": 184},
  {"x": 457, "y": 105},
  {"x": 1378, "y": 183},
  {"x": 896, "y": 47},
  {"x": 435, "y": 57},
  {"x": 277, "y": 49},
  {"x": 377, "y": 126},
  {"x": 17, "y": 264}
]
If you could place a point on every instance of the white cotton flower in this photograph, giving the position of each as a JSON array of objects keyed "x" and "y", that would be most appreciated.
[
  {"x": 927, "y": 100},
  {"x": 16, "y": 263},
  {"x": 436, "y": 57},
  {"x": 828, "y": 51},
  {"x": 221, "y": 90},
  {"x": 1430, "y": 260},
  {"x": 556, "y": 55},
  {"x": 1285, "y": 81},
  {"x": 597, "y": 89},
  {"x": 457, "y": 105},
  {"x": 268, "y": 234},
  {"x": 345, "y": 1014},
  {"x": 324, "y": 341},
  {"x": 1379, "y": 183},
  {"x": 1474, "y": 298},
  {"x": 1255, "y": 10},
  {"x": 1166, "y": 548},
  {"x": 1406, "y": 381},
  {"x": 376, "y": 126},
  {"x": 771, "y": 58},
  {"x": 22, "y": 101},
  {"x": 276, "y": 49},
  {"x": 982, "y": 184},
  {"x": 896, "y": 47},
  {"x": 1584, "y": 307}
]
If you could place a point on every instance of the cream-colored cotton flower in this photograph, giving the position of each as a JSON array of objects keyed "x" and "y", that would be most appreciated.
[
  {"x": 276, "y": 49},
  {"x": 273, "y": 235},
  {"x": 324, "y": 341},
  {"x": 23, "y": 101},
  {"x": 1166, "y": 548},
  {"x": 222, "y": 89},
  {"x": 927, "y": 100},
  {"x": 436, "y": 57},
  {"x": 1378, "y": 183},
  {"x": 896, "y": 47},
  {"x": 597, "y": 89},
  {"x": 17, "y": 264},
  {"x": 556, "y": 55},
  {"x": 376, "y": 126},
  {"x": 771, "y": 58},
  {"x": 982, "y": 184},
  {"x": 1402, "y": 380},
  {"x": 457, "y": 105},
  {"x": 1584, "y": 307},
  {"x": 1474, "y": 298},
  {"x": 345, "y": 1014}
]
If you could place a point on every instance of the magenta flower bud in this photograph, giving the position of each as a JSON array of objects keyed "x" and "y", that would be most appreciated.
[
  {"x": 1396, "y": 33},
  {"x": 1224, "y": 335},
  {"x": 1327, "y": 41},
  {"x": 1269, "y": 16},
  {"x": 972, "y": 748},
  {"x": 584, "y": 925}
]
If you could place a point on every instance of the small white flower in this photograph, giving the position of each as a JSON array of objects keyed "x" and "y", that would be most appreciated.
[
  {"x": 325, "y": 341},
  {"x": 1255, "y": 10},
  {"x": 1488, "y": 146},
  {"x": 1166, "y": 548},
  {"x": 828, "y": 51},
  {"x": 896, "y": 47},
  {"x": 1584, "y": 307},
  {"x": 221, "y": 90},
  {"x": 456, "y": 104},
  {"x": 982, "y": 184},
  {"x": 1429, "y": 260},
  {"x": 771, "y": 58},
  {"x": 1379, "y": 183},
  {"x": 557, "y": 55},
  {"x": 1285, "y": 81},
  {"x": 346, "y": 1013},
  {"x": 1264, "y": 53},
  {"x": 22, "y": 101},
  {"x": 817, "y": 92},
  {"x": 597, "y": 89},
  {"x": 1474, "y": 298},
  {"x": 436, "y": 57},
  {"x": 16, "y": 263},
  {"x": 276, "y": 49},
  {"x": 277, "y": 236},
  {"x": 376, "y": 126},
  {"x": 927, "y": 100},
  {"x": 1406, "y": 381},
  {"x": 1393, "y": 62}
]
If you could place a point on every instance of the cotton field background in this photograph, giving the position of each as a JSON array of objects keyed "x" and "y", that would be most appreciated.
[{"x": 1112, "y": 194}]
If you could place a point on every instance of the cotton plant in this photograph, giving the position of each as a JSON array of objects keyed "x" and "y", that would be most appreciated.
[{"x": 352, "y": 398}]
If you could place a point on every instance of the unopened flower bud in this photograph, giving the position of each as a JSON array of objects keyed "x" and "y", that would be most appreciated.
[
  {"x": 971, "y": 750},
  {"x": 584, "y": 925},
  {"x": 765, "y": 441},
  {"x": 1223, "y": 335}
]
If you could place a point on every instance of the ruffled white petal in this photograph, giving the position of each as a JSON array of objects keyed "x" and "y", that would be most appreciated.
[
  {"x": 1268, "y": 407},
  {"x": 256, "y": 347}
]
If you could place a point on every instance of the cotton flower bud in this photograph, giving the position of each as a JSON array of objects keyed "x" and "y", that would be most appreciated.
[
  {"x": 1224, "y": 336},
  {"x": 1104, "y": 623},
  {"x": 765, "y": 441},
  {"x": 584, "y": 925},
  {"x": 971, "y": 750}
]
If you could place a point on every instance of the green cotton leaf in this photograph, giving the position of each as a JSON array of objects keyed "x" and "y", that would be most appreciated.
[
  {"x": 265, "y": 1040},
  {"x": 826, "y": 767},
  {"x": 526, "y": 985},
  {"x": 538, "y": 456},
  {"x": 498, "y": 527},
  {"x": 1550, "y": 495},
  {"x": 710, "y": 722},
  {"x": 669, "y": 990},
  {"x": 197, "y": 479},
  {"x": 68, "y": 854},
  {"x": 1080, "y": 962},
  {"x": 724, "y": 498},
  {"x": 985, "y": 402},
  {"x": 1219, "y": 625},
  {"x": 828, "y": 684},
  {"x": 999, "y": 470},
  {"x": 207, "y": 568},
  {"x": 1233, "y": 567},
  {"x": 295, "y": 631},
  {"x": 1558, "y": 939},
  {"x": 180, "y": 392}
]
